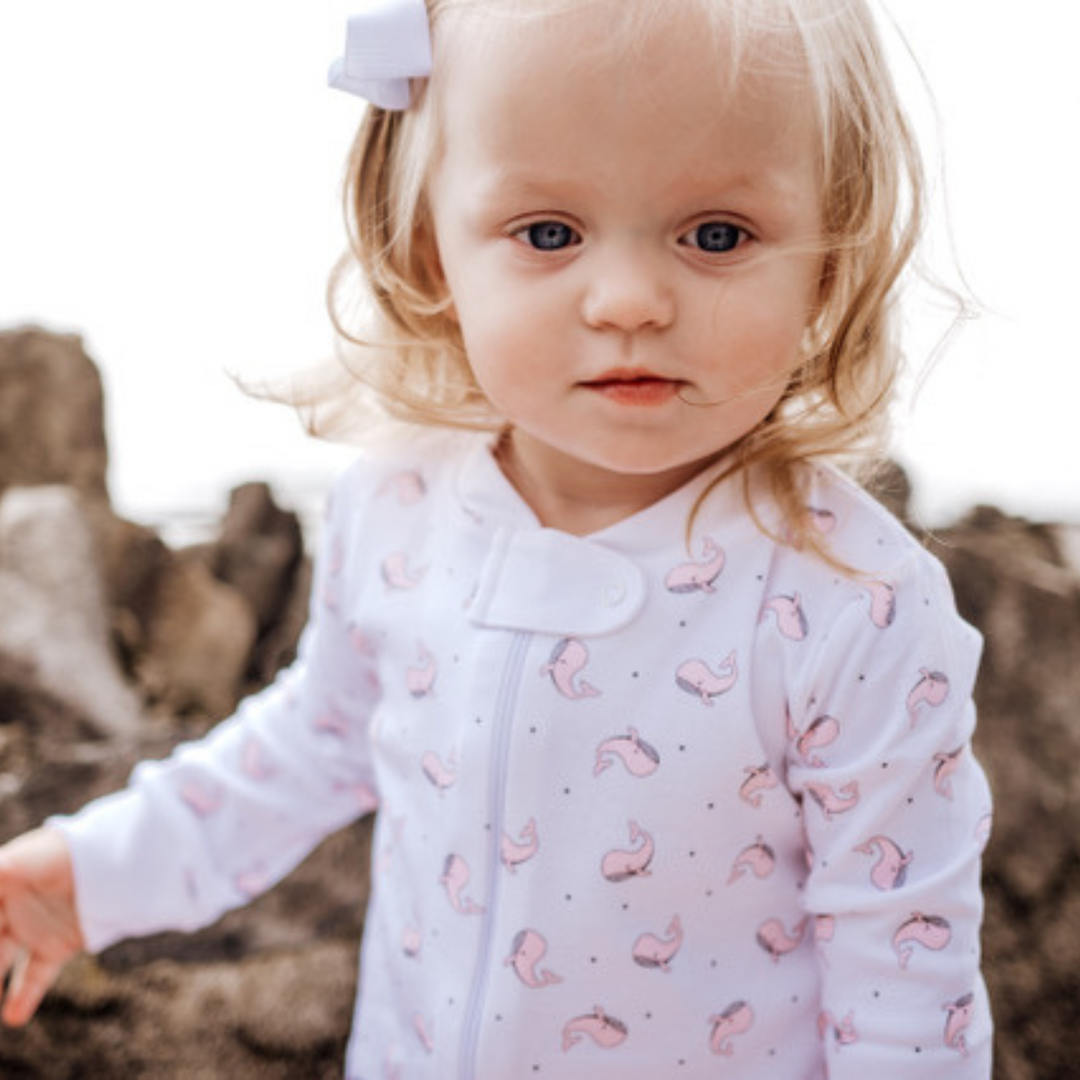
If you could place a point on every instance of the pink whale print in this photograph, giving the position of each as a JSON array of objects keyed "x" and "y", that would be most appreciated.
[
  {"x": 822, "y": 732},
  {"x": 397, "y": 573},
  {"x": 620, "y": 865},
  {"x": 983, "y": 828},
  {"x": 528, "y": 950},
  {"x": 698, "y": 576},
  {"x": 653, "y": 951},
  {"x": 882, "y": 603},
  {"x": 696, "y": 677},
  {"x": 254, "y": 881},
  {"x": 604, "y": 1030},
  {"x": 455, "y": 878},
  {"x": 958, "y": 1021},
  {"x": 392, "y": 1062},
  {"x": 776, "y": 940},
  {"x": 253, "y": 762},
  {"x": 568, "y": 660},
  {"x": 363, "y": 795},
  {"x": 946, "y": 767},
  {"x": 515, "y": 852},
  {"x": 930, "y": 691},
  {"x": 824, "y": 932},
  {"x": 890, "y": 870},
  {"x": 407, "y": 487},
  {"x": 736, "y": 1019},
  {"x": 440, "y": 775},
  {"x": 930, "y": 931},
  {"x": 420, "y": 1026},
  {"x": 420, "y": 680},
  {"x": 333, "y": 722},
  {"x": 790, "y": 619},
  {"x": 412, "y": 941},
  {"x": 842, "y": 1031},
  {"x": 758, "y": 859},
  {"x": 202, "y": 799},
  {"x": 759, "y": 778},
  {"x": 823, "y": 520},
  {"x": 832, "y": 800},
  {"x": 634, "y": 753}
]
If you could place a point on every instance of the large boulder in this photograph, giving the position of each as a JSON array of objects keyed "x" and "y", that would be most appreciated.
[
  {"x": 52, "y": 421},
  {"x": 55, "y": 622}
]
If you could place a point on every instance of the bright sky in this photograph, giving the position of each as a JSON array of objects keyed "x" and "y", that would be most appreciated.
[{"x": 169, "y": 179}]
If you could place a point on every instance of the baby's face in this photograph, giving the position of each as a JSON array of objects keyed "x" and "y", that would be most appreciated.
[{"x": 630, "y": 248}]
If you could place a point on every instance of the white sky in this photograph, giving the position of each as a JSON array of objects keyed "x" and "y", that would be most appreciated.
[{"x": 169, "y": 179}]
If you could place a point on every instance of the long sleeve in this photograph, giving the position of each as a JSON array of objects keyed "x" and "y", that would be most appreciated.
[
  {"x": 224, "y": 818},
  {"x": 896, "y": 814}
]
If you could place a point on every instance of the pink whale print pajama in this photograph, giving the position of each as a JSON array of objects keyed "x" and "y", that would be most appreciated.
[{"x": 649, "y": 806}]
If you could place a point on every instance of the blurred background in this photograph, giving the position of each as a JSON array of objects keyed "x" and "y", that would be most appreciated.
[{"x": 170, "y": 183}]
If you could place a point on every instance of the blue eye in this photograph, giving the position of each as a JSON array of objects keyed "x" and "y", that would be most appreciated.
[
  {"x": 549, "y": 235},
  {"x": 716, "y": 237}
]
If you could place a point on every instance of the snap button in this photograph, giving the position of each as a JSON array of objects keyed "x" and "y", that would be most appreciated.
[{"x": 613, "y": 595}]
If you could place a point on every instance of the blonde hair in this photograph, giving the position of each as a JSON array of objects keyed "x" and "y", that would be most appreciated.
[{"x": 836, "y": 400}]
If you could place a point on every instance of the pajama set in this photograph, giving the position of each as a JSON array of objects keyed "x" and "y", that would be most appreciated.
[{"x": 651, "y": 803}]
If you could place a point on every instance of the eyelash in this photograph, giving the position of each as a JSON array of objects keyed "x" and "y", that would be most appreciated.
[{"x": 533, "y": 233}]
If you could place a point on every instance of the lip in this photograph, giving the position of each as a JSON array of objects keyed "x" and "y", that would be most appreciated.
[{"x": 633, "y": 387}]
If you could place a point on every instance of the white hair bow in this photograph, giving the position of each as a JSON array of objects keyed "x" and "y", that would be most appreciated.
[{"x": 388, "y": 42}]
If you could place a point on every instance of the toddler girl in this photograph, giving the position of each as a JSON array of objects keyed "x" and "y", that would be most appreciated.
[{"x": 666, "y": 720}]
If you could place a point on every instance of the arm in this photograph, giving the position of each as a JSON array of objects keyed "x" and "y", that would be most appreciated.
[
  {"x": 224, "y": 818},
  {"x": 896, "y": 813}
]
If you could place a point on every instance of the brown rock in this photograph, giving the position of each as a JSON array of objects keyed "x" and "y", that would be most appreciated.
[{"x": 52, "y": 428}]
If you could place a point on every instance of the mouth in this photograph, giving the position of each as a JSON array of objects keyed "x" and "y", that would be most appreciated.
[{"x": 634, "y": 387}]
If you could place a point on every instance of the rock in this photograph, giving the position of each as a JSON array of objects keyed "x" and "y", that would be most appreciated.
[
  {"x": 55, "y": 620},
  {"x": 200, "y": 639},
  {"x": 1018, "y": 583},
  {"x": 52, "y": 424}
]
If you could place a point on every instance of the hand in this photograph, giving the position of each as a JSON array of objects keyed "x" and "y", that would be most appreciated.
[{"x": 39, "y": 926}]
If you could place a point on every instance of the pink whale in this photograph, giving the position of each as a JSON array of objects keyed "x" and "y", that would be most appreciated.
[
  {"x": 759, "y": 778},
  {"x": 621, "y": 865},
  {"x": 758, "y": 859},
  {"x": 528, "y": 950},
  {"x": 790, "y": 620},
  {"x": 824, "y": 932},
  {"x": 930, "y": 691},
  {"x": 604, "y": 1030},
  {"x": 736, "y": 1019},
  {"x": 333, "y": 722},
  {"x": 983, "y": 828},
  {"x": 930, "y": 931},
  {"x": 822, "y": 732},
  {"x": 397, "y": 574},
  {"x": 958, "y": 1021},
  {"x": 696, "y": 677},
  {"x": 202, "y": 800},
  {"x": 421, "y": 1028},
  {"x": 420, "y": 680},
  {"x": 843, "y": 1031},
  {"x": 455, "y": 879},
  {"x": 834, "y": 801},
  {"x": 890, "y": 870},
  {"x": 568, "y": 660},
  {"x": 407, "y": 486},
  {"x": 440, "y": 775},
  {"x": 411, "y": 941},
  {"x": 775, "y": 939},
  {"x": 653, "y": 951},
  {"x": 253, "y": 760},
  {"x": 697, "y": 576},
  {"x": 882, "y": 603},
  {"x": 637, "y": 756},
  {"x": 823, "y": 520},
  {"x": 514, "y": 853},
  {"x": 945, "y": 769}
]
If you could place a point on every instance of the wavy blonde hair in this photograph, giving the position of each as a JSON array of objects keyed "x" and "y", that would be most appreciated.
[{"x": 388, "y": 305}]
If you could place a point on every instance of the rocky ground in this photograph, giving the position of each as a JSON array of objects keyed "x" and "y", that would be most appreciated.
[{"x": 114, "y": 647}]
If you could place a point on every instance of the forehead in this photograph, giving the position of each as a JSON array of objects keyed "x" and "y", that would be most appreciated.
[{"x": 599, "y": 84}]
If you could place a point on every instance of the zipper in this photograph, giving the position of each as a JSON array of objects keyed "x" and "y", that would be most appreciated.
[{"x": 509, "y": 686}]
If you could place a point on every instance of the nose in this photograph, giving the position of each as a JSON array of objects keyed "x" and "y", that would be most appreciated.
[{"x": 628, "y": 291}]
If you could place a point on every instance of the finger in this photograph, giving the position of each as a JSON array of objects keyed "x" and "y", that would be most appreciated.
[{"x": 30, "y": 981}]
